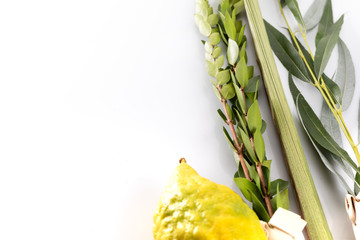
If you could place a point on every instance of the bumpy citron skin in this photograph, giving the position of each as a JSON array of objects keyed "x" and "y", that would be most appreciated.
[{"x": 193, "y": 207}]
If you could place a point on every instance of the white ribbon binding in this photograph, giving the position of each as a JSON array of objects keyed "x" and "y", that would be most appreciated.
[
  {"x": 352, "y": 205},
  {"x": 284, "y": 225}
]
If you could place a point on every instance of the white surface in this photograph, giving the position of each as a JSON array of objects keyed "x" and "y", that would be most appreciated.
[{"x": 99, "y": 100}]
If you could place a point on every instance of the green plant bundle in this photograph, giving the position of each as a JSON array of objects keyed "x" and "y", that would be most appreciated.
[
  {"x": 337, "y": 92},
  {"x": 237, "y": 90},
  {"x": 317, "y": 227}
]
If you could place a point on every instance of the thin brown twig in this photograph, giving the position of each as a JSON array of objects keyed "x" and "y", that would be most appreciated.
[{"x": 233, "y": 133}]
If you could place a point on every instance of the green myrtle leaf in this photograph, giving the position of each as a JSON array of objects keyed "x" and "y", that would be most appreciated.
[
  {"x": 223, "y": 76},
  {"x": 230, "y": 26},
  {"x": 247, "y": 187},
  {"x": 240, "y": 98},
  {"x": 211, "y": 68},
  {"x": 213, "y": 19},
  {"x": 294, "y": 8},
  {"x": 203, "y": 25},
  {"x": 222, "y": 32},
  {"x": 217, "y": 51},
  {"x": 345, "y": 75},
  {"x": 228, "y": 91},
  {"x": 216, "y": 91},
  {"x": 229, "y": 139},
  {"x": 238, "y": 25},
  {"x": 313, "y": 14},
  {"x": 281, "y": 200},
  {"x": 266, "y": 163},
  {"x": 229, "y": 111},
  {"x": 248, "y": 146},
  {"x": 241, "y": 73},
  {"x": 251, "y": 87},
  {"x": 326, "y": 46},
  {"x": 232, "y": 52},
  {"x": 278, "y": 183},
  {"x": 254, "y": 117},
  {"x": 259, "y": 145},
  {"x": 243, "y": 52},
  {"x": 239, "y": 6},
  {"x": 259, "y": 208},
  {"x": 219, "y": 62},
  {"x": 263, "y": 127},
  {"x": 222, "y": 115},
  {"x": 241, "y": 120},
  {"x": 325, "y": 23},
  {"x": 250, "y": 71},
  {"x": 214, "y": 38},
  {"x": 201, "y": 8},
  {"x": 286, "y": 53},
  {"x": 240, "y": 35}
]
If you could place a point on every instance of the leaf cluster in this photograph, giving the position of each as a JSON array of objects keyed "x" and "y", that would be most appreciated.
[
  {"x": 324, "y": 132},
  {"x": 237, "y": 89}
]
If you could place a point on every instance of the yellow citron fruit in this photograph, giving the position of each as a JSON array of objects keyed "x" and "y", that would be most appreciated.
[{"x": 193, "y": 207}]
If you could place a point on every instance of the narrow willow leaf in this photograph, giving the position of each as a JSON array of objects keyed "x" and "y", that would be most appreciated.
[
  {"x": 229, "y": 139},
  {"x": 254, "y": 117},
  {"x": 245, "y": 139},
  {"x": 214, "y": 38},
  {"x": 223, "y": 76},
  {"x": 294, "y": 8},
  {"x": 286, "y": 53},
  {"x": 325, "y": 22},
  {"x": 326, "y": 46},
  {"x": 230, "y": 26},
  {"x": 306, "y": 54},
  {"x": 282, "y": 184},
  {"x": 259, "y": 208},
  {"x": 203, "y": 25},
  {"x": 330, "y": 123},
  {"x": 241, "y": 73},
  {"x": 247, "y": 187},
  {"x": 334, "y": 163},
  {"x": 333, "y": 88},
  {"x": 315, "y": 128},
  {"x": 228, "y": 91},
  {"x": 356, "y": 186},
  {"x": 251, "y": 87},
  {"x": 259, "y": 145},
  {"x": 305, "y": 189},
  {"x": 313, "y": 14},
  {"x": 232, "y": 52},
  {"x": 345, "y": 75}
]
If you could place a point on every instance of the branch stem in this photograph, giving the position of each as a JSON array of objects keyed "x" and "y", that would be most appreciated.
[{"x": 233, "y": 133}]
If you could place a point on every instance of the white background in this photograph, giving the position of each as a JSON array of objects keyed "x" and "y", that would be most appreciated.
[{"x": 99, "y": 100}]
